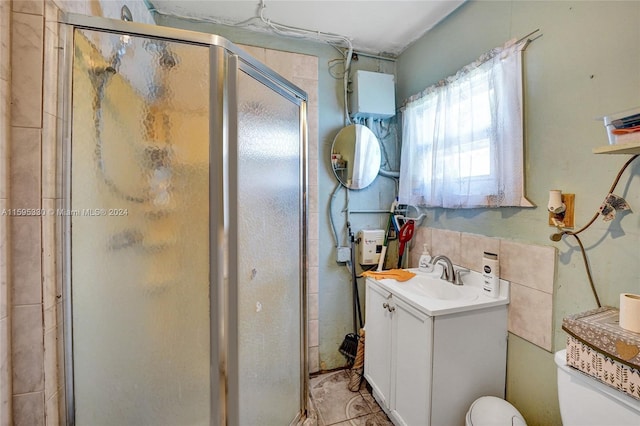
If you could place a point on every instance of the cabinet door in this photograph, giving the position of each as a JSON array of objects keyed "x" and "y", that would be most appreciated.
[
  {"x": 377, "y": 355},
  {"x": 412, "y": 339}
]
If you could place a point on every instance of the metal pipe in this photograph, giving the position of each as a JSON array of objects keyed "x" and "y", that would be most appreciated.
[
  {"x": 369, "y": 55},
  {"x": 389, "y": 173},
  {"x": 370, "y": 211}
]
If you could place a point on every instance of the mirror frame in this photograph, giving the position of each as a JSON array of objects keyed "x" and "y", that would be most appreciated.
[{"x": 351, "y": 141}]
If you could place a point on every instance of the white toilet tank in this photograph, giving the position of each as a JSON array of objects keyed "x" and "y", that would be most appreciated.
[{"x": 584, "y": 401}]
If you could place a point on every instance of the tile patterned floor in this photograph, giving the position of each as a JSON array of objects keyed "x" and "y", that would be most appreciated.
[{"x": 336, "y": 405}]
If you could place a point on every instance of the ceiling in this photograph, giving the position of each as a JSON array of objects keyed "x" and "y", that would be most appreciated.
[{"x": 384, "y": 27}]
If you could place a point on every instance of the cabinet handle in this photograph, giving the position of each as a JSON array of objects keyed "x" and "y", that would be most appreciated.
[
  {"x": 392, "y": 308},
  {"x": 388, "y": 307}
]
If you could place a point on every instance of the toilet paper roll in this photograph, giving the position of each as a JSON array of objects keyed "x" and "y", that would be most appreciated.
[{"x": 630, "y": 312}]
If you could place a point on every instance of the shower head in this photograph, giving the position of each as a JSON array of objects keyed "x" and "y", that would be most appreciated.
[
  {"x": 100, "y": 76},
  {"x": 109, "y": 70},
  {"x": 166, "y": 58}
]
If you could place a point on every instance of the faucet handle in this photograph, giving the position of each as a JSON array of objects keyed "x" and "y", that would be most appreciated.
[
  {"x": 445, "y": 274},
  {"x": 458, "y": 279}
]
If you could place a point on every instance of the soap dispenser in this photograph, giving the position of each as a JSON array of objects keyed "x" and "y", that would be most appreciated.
[{"x": 425, "y": 259}]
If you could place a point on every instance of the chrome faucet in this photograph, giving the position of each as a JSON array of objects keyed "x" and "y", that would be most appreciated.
[
  {"x": 447, "y": 269},
  {"x": 448, "y": 272}
]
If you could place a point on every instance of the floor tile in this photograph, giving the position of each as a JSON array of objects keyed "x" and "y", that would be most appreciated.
[
  {"x": 335, "y": 404},
  {"x": 375, "y": 419}
]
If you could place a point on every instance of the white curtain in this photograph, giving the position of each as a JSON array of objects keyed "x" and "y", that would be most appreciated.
[{"x": 462, "y": 142}]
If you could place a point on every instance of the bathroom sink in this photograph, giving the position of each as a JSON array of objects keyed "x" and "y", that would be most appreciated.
[
  {"x": 438, "y": 289},
  {"x": 434, "y": 296}
]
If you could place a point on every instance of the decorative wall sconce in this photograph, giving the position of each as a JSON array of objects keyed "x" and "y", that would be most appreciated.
[{"x": 561, "y": 209}]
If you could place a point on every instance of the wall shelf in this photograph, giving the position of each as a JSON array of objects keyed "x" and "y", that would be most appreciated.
[{"x": 627, "y": 148}]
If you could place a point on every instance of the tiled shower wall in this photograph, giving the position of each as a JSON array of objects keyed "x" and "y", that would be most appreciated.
[
  {"x": 5, "y": 325},
  {"x": 529, "y": 268},
  {"x": 31, "y": 373},
  {"x": 31, "y": 391}
]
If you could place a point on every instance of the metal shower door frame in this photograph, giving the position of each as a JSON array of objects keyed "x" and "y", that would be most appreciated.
[{"x": 226, "y": 61}]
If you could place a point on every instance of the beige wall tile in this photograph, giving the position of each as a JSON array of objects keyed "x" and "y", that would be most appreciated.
[
  {"x": 313, "y": 227},
  {"x": 27, "y": 33},
  {"x": 59, "y": 250},
  {"x": 307, "y": 67},
  {"x": 27, "y": 351},
  {"x": 50, "y": 364},
  {"x": 62, "y": 407},
  {"x": 447, "y": 243},
  {"x": 256, "y": 52},
  {"x": 49, "y": 153},
  {"x": 4, "y": 262},
  {"x": 312, "y": 124},
  {"x": 313, "y": 306},
  {"x": 5, "y": 372},
  {"x": 48, "y": 263},
  {"x": 313, "y": 198},
  {"x": 529, "y": 265},
  {"x": 421, "y": 236},
  {"x": 50, "y": 318},
  {"x": 308, "y": 85},
  {"x": 60, "y": 346},
  {"x": 51, "y": 11},
  {"x": 60, "y": 160},
  {"x": 28, "y": 410},
  {"x": 5, "y": 134},
  {"x": 531, "y": 315},
  {"x": 313, "y": 333},
  {"x": 313, "y": 258},
  {"x": 312, "y": 168},
  {"x": 5, "y": 40},
  {"x": 51, "y": 410},
  {"x": 313, "y": 280},
  {"x": 314, "y": 359},
  {"x": 74, "y": 6},
  {"x": 34, "y": 7},
  {"x": 472, "y": 248},
  {"x": 26, "y": 284},
  {"x": 25, "y": 168},
  {"x": 50, "y": 72},
  {"x": 291, "y": 65}
]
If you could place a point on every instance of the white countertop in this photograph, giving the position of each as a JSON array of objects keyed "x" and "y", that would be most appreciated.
[{"x": 472, "y": 296}]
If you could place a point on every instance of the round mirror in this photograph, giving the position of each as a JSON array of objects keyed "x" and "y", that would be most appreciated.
[{"x": 355, "y": 156}]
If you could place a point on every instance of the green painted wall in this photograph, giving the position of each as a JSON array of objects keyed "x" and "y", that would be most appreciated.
[{"x": 585, "y": 65}]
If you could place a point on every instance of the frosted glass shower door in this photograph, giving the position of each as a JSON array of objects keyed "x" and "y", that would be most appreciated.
[
  {"x": 139, "y": 218},
  {"x": 270, "y": 232}
]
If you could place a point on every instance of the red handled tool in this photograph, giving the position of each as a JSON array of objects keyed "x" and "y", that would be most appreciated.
[{"x": 405, "y": 235}]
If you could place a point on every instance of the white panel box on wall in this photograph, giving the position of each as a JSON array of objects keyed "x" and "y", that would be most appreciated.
[
  {"x": 370, "y": 244},
  {"x": 374, "y": 95}
]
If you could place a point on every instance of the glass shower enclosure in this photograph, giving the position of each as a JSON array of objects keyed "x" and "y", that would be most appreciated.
[{"x": 185, "y": 230}]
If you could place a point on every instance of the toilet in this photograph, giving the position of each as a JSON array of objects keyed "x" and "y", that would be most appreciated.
[
  {"x": 493, "y": 411},
  {"x": 586, "y": 401}
]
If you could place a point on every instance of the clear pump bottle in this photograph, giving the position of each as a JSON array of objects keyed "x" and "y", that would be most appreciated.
[{"x": 425, "y": 258}]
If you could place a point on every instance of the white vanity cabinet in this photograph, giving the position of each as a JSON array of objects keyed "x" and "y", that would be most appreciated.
[{"x": 428, "y": 369}]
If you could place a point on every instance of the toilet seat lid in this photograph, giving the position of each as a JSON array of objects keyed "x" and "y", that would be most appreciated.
[{"x": 489, "y": 410}]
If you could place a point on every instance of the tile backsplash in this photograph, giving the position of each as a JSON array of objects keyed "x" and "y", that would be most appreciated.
[{"x": 530, "y": 269}]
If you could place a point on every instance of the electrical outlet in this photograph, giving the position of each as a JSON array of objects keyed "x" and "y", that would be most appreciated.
[
  {"x": 343, "y": 255},
  {"x": 566, "y": 218}
]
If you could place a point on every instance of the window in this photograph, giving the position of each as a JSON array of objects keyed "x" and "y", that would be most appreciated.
[{"x": 463, "y": 138}]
